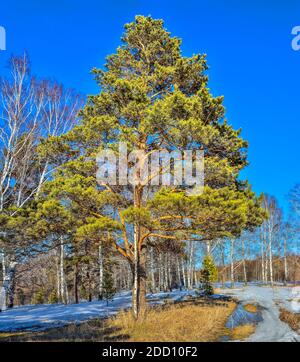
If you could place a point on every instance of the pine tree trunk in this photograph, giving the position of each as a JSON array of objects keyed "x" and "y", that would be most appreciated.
[
  {"x": 135, "y": 290},
  {"x": 139, "y": 267},
  {"x": 143, "y": 281},
  {"x": 139, "y": 285}
]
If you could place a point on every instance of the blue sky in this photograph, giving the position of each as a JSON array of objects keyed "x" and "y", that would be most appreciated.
[{"x": 248, "y": 45}]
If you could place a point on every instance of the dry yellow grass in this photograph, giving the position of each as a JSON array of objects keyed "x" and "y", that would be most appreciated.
[
  {"x": 242, "y": 332},
  {"x": 177, "y": 323},
  {"x": 292, "y": 319},
  {"x": 217, "y": 290},
  {"x": 252, "y": 308},
  {"x": 14, "y": 334}
]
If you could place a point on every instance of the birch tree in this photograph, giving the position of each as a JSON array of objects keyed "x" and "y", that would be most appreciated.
[
  {"x": 29, "y": 109},
  {"x": 272, "y": 226}
]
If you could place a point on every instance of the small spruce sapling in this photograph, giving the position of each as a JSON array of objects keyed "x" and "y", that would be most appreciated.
[
  {"x": 53, "y": 299},
  {"x": 38, "y": 297},
  {"x": 209, "y": 275},
  {"x": 108, "y": 285}
]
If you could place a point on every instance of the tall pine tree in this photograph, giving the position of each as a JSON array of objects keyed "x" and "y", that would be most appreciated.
[{"x": 152, "y": 98}]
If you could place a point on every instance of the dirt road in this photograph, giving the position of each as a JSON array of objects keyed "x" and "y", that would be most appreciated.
[{"x": 271, "y": 329}]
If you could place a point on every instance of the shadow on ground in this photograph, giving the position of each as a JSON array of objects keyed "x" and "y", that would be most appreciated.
[{"x": 92, "y": 331}]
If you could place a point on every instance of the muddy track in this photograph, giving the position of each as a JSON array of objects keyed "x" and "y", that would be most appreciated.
[{"x": 271, "y": 329}]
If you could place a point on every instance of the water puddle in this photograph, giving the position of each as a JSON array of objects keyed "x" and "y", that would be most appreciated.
[{"x": 240, "y": 317}]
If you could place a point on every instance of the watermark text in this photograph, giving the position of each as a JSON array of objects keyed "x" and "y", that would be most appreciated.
[
  {"x": 152, "y": 168},
  {"x": 296, "y": 39},
  {"x": 2, "y": 38}
]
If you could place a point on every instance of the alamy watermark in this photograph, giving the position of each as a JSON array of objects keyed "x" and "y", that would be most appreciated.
[
  {"x": 296, "y": 39},
  {"x": 2, "y": 38},
  {"x": 153, "y": 168}
]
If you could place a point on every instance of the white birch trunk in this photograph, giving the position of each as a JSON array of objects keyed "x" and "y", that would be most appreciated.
[
  {"x": 208, "y": 248},
  {"x": 63, "y": 285},
  {"x": 100, "y": 271},
  {"x": 58, "y": 274},
  {"x": 179, "y": 273},
  {"x": 262, "y": 263},
  {"x": 169, "y": 272},
  {"x": 152, "y": 275},
  {"x": 271, "y": 262},
  {"x": 160, "y": 272},
  {"x": 184, "y": 274},
  {"x": 266, "y": 267},
  {"x": 244, "y": 263},
  {"x": 285, "y": 261},
  {"x": 190, "y": 265},
  {"x": 3, "y": 266},
  {"x": 165, "y": 273},
  {"x": 7, "y": 285},
  {"x": 196, "y": 278},
  {"x": 232, "y": 263},
  {"x": 41, "y": 180}
]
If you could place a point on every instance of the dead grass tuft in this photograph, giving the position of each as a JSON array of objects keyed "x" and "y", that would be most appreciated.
[
  {"x": 252, "y": 308},
  {"x": 242, "y": 332},
  {"x": 11, "y": 334},
  {"x": 292, "y": 319},
  {"x": 218, "y": 290}
]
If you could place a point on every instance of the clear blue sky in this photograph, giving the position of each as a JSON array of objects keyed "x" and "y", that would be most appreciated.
[{"x": 248, "y": 44}]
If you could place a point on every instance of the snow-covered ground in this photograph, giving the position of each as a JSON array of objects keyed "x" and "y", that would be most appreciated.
[
  {"x": 271, "y": 329},
  {"x": 40, "y": 317}
]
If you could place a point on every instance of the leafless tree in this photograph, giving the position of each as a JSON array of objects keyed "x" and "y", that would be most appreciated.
[{"x": 29, "y": 110}]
